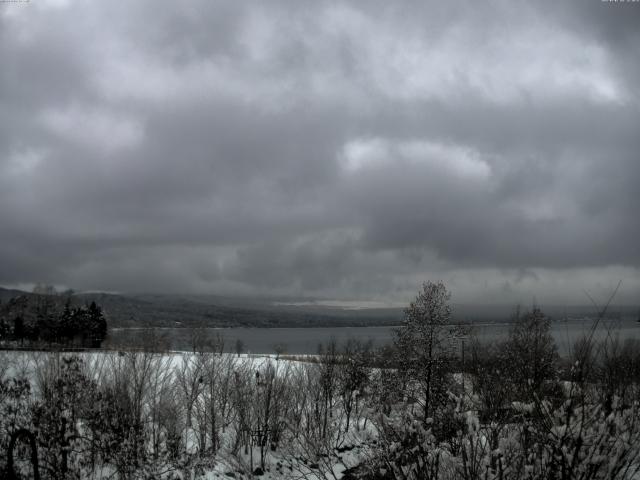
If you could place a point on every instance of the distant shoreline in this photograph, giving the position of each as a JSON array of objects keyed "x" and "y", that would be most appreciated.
[{"x": 391, "y": 325}]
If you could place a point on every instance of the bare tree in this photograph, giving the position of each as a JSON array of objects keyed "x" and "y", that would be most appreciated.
[
  {"x": 213, "y": 408},
  {"x": 425, "y": 347},
  {"x": 239, "y": 347},
  {"x": 353, "y": 377},
  {"x": 189, "y": 375},
  {"x": 532, "y": 355}
]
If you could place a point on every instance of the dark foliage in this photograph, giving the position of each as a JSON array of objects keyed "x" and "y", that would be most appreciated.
[{"x": 51, "y": 319}]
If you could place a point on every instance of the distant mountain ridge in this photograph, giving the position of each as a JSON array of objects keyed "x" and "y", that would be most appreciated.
[
  {"x": 157, "y": 310},
  {"x": 191, "y": 311}
]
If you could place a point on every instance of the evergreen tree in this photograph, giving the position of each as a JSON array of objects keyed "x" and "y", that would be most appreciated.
[
  {"x": 18, "y": 328},
  {"x": 67, "y": 326},
  {"x": 97, "y": 325}
]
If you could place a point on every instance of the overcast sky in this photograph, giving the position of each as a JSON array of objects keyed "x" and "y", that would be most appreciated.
[{"x": 339, "y": 150}]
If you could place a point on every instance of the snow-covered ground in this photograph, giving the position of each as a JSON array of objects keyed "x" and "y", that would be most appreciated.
[{"x": 298, "y": 457}]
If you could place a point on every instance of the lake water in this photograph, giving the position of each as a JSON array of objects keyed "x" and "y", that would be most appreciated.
[{"x": 306, "y": 340}]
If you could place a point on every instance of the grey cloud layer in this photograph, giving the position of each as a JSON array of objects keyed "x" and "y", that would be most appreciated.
[{"x": 332, "y": 149}]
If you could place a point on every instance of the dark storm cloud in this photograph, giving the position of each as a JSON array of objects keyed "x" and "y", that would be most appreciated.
[{"x": 332, "y": 149}]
